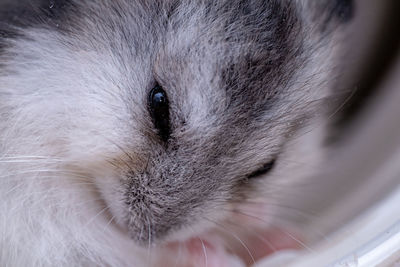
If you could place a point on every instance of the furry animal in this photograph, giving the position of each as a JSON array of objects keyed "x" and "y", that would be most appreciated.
[{"x": 129, "y": 125}]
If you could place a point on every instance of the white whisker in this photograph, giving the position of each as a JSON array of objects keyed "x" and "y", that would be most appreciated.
[
  {"x": 94, "y": 217},
  {"x": 204, "y": 251},
  {"x": 236, "y": 237}
]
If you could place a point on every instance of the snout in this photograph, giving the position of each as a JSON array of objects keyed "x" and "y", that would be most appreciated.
[{"x": 156, "y": 209}]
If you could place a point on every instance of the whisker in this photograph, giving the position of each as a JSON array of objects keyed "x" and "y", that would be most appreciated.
[
  {"x": 24, "y": 156},
  {"x": 253, "y": 232},
  {"x": 327, "y": 119},
  {"x": 298, "y": 241},
  {"x": 108, "y": 223},
  {"x": 57, "y": 205},
  {"x": 234, "y": 236},
  {"x": 285, "y": 232},
  {"x": 23, "y": 161},
  {"x": 123, "y": 151},
  {"x": 25, "y": 172},
  {"x": 14, "y": 188},
  {"x": 37, "y": 171},
  {"x": 203, "y": 246},
  {"x": 149, "y": 250},
  {"x": 94, "y": 217},
  {"x": 204, "y": 251},
  {"x": 141, "y": 232},
  {"x": 304, "y": 214}
]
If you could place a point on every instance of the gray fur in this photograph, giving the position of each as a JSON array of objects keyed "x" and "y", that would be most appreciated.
[{"x": 242, "y": 78}]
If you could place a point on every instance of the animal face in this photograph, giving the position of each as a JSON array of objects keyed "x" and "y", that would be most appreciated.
[{"x": 170, "y": 110}]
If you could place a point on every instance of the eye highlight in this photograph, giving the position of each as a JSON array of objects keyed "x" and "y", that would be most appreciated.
[
  {"x": 263, "y": 170},
  {"x": 159, "y": 110}
]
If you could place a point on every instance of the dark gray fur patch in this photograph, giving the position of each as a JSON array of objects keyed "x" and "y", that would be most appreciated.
[
  {"x": 251, "y": 78},
  {"x": 341, "y": 11},
  {"x": 15, "y": 15},
  {"x": 30, "y": 13}
]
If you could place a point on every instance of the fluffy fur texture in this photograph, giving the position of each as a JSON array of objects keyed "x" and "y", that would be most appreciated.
[{"x": 85, "y": 178}]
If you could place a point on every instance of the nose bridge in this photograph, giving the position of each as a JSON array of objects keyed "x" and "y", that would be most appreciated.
[{"x": 157, "y": 211}]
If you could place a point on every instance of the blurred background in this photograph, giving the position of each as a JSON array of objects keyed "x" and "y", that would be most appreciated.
[{"x": 355, "y": 200}]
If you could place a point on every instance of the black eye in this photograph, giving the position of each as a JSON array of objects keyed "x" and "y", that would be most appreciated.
[
  {"x": 159, "y": 111},
  {"x": 263, "y": 170}
]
